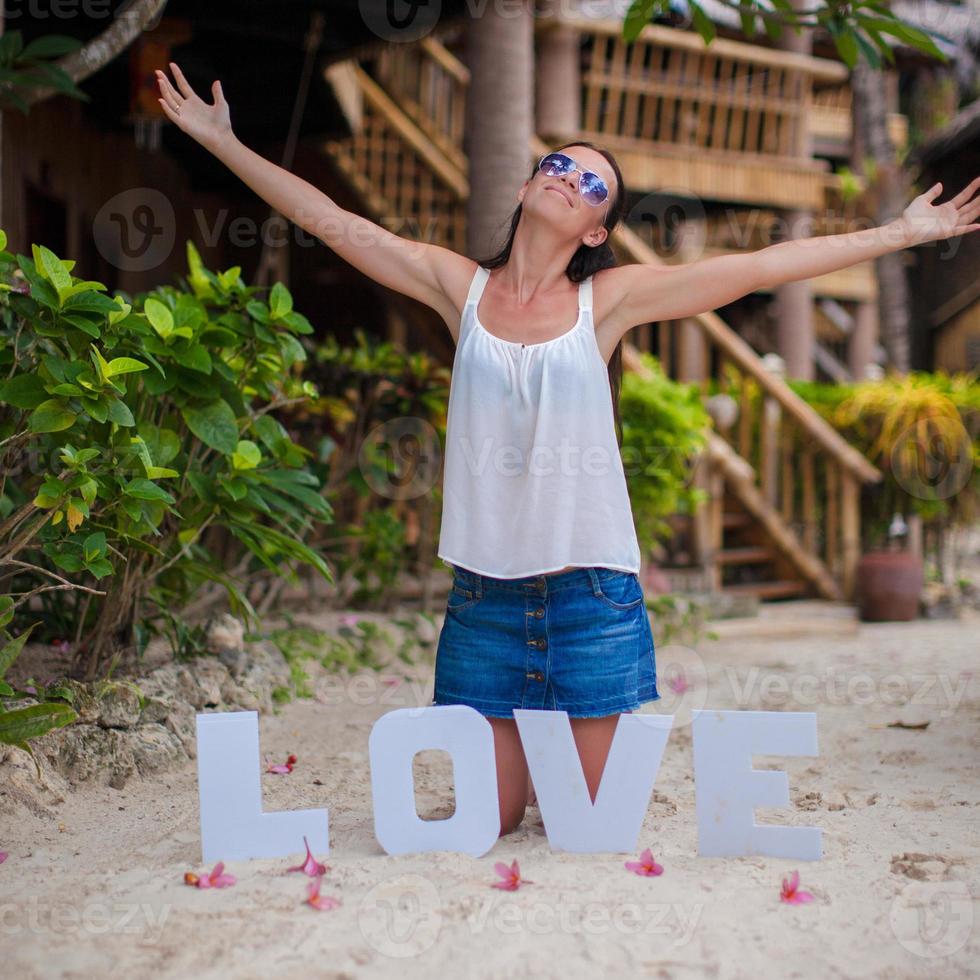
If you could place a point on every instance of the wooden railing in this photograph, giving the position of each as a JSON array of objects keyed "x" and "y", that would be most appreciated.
[
  {"x": 431, "y": 85},
  {"x": 831, "y": 118},
  {"x": 401, "y": 174},
  {"x": 668, "y": 88},
  {"x": 804, "y": 470}
]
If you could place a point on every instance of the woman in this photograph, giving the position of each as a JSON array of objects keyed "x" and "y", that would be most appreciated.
[{"x": 546, "y": 608}]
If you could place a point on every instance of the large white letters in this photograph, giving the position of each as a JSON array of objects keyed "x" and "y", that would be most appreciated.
[
  {"x": 468, "y": 738},
  {"x": 572, "y": 822},
  {"x": 233, "y": 826},
  {"x": 728, "y": 789}
]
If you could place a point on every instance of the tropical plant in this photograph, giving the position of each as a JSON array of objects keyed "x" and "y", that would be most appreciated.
[
  {"x": 665, "y": 427},
  {"x": 24, "y": 68},
  {"x": 18, "y": 725},
  {"x": 857, "y": 27},
  {"x": 378, "y": 428},
  {"x": 129, "y": 428}
]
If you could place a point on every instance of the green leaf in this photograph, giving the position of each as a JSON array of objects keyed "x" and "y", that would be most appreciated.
[
  {"x": 11, "y": 45},
  {"x": 50, "y": 46},
  {"x": 847, "y": 47},
  {"x": 198, "y": 276},
  {"x": 120, "y": 414},
  {"x": 637, "y": 17},
  {"x": 22, "y": 724},
  {"x": 280, "y": 301},
  {"x": 6, "y": 610},
  {"x": 146, "y": 490},
  {"x": 195, "y": 357},
  {"x": 747, "y": 16},
  {"x": 51, "y": 416},
  {"x": 911, "y": 36},
  {"x": 11, "y": 650},
  {"x": 297, "y": 323},
  {"x": 3, "y": 240},
  {"x": 230, "y": 277},
  {"x": 703, "y": 23},
  {"x": 53, "y": 269},
  {"x": 292, "y": 350},
  {"x": 236, "y": 488},
  {"x": 774, "y": 29},
  {"x": 246, "y": 456},
  {"x": 23, "y": 391},
  {"x": 160, "y": 317},
  {"x": 124, "y": 365},
  {"x": 96, "y": 408},
  {"x": 871, "y": 54},
  {"x": 95, "y": 546},
  {"x": 214, "y": 424}
]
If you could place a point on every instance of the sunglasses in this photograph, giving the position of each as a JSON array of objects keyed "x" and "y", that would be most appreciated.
[{"x": 591, "y": 186}]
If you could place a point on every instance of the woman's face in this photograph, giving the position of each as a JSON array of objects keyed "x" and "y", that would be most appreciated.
[{"x": 557, "y": 199}]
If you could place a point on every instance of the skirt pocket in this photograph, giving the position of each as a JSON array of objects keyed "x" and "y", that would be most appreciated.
[{"x": 621, "y": 591}]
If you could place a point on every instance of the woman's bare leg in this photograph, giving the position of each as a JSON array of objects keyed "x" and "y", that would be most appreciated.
[
  {"x": 593, "y": 737},
  {"x": 512, "y": 774}
]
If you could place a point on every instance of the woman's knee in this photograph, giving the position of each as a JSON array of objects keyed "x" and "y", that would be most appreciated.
[{"x": 511, "y": 819}]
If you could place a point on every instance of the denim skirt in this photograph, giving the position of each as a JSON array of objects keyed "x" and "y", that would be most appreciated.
[{"x": 577, "y": 641}]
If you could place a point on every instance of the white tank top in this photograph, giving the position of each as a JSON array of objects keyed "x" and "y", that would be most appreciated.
[{"x": 533, "y": 476}]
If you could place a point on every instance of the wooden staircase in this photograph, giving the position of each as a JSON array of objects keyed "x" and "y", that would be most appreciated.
[{"x": 783, "y": 485}]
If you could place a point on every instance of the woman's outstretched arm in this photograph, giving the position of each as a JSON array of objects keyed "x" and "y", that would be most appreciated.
[
  {"x": 650, "y": 293},
  {"x": 422, "y": 270}
]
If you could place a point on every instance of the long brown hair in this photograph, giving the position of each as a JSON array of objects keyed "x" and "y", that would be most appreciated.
[{"x": 586, "y": 261}]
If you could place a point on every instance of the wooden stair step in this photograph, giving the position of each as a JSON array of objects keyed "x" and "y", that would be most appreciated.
[
  {"x": 735, "y": 518},
  {"x": 744, "y": 555},
  {"x": 767, "y": 590}
]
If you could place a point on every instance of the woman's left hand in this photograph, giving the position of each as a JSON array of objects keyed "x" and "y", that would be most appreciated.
[{"x": 923, "y": 221}]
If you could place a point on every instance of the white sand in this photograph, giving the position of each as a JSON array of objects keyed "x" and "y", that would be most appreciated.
[{"x": 97, "y": 886}]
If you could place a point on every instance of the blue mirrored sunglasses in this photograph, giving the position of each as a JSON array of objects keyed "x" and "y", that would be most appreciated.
[{"x": 591, "y": 186}]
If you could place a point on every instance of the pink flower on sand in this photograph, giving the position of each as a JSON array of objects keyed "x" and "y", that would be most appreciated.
[
  {"x": 791, "y": 892},
  {"x": 285, "y": 767},
  {"x": 511, "y": 876},
  {"x": 215, "y": 879},
  {"x": 310, "y": 866},
  {"x": 3, "y": 856},
  {"x": 646, "y": 865},
  {"x": 318, "y": 901},
  {"x": 677, "y": 681},
  {"x": 349, "y": 620}
]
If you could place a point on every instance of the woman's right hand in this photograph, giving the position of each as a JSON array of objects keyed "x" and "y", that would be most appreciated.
[{"x": 210, "y": 125}]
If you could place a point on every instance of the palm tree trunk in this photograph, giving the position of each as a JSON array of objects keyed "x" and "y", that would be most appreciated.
[
  {"x": 499, "y": 119},
  {"x": 889, "y": 187}
]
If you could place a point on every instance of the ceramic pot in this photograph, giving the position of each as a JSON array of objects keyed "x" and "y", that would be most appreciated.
[{"x": 889, "y": 584}]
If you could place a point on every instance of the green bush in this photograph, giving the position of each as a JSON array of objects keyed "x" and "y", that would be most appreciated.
[
  {"x": 378, "y": 429},
  {"x": 665, "y": 426},
  {"x": 129, "y": 427},
  {"x": 18, "y": 725}
]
